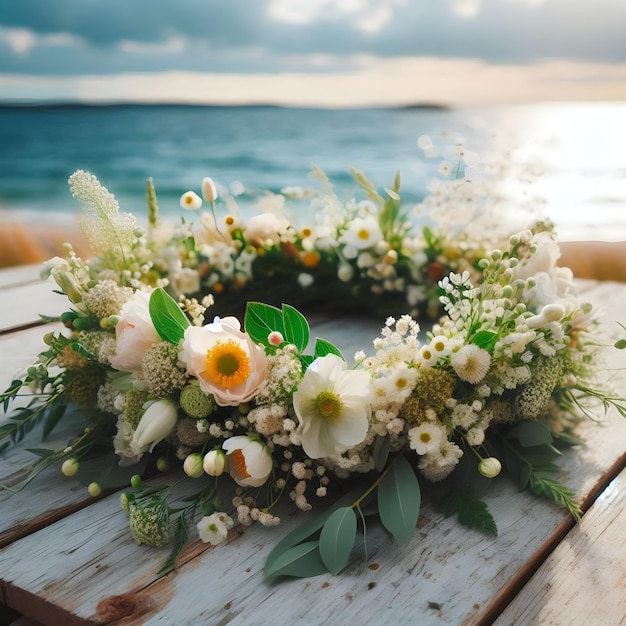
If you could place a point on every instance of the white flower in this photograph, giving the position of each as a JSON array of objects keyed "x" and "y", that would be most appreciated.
[
  {"x": 190, "y": 201},
  {"x": 214, "y": 528},
  {"x": 209, "y": 192},
  {"x": 471, "y": 363},
  {"x": 225, "y": 360},
  {"x": 332, "y": 406},
  {"x": 156, "y": 424},
  {"x": 185, "y": 280},
  {"x": 249, "y": 461},
  {"x": 265, "y": 229},
  {"x": 363, "y": 232},
  {"x": 426, "y": 438},
  {"x": 134, "y": 333}
]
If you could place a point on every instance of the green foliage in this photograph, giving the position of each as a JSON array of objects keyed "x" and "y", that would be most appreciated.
[
  {"x": 168, "y": 319},
  {"x": 105, "y": 470},
  {"x": 262, "y": 319},
  {"x": 381, "y": 451},
  {"x": 529, "y": 454},
  {"x": 337, "y": 539},
  {"x": 301, "y": 561},
  {"x": 486, "y": 340},
  {"x": 399, "y": 500},
  {"x": 470, "y": 511}
]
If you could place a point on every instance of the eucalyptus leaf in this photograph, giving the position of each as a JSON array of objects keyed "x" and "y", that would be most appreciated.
[
  {"x": 337, "y": 539},
  {"x": 399, "y": 500},
  {"x": 52, "y": 419},
  {"x": 381, "y": 451},
  {"x": 307, "y": 529},
  {"x": 301, "y": 561},
  {"x": 168, "y": 319},
  {"x": 297, "y": 329},
  {"x": 530, "y": 434},
  {"x": 323, "y": 347},
  {"x": 106, "y": 471},
  {"x": 262, "y": 319}
]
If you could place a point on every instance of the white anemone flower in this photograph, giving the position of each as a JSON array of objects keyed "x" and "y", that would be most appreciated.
[
  {"x": 190, "y": 201},
  {"x": 333, "y": 407},
  {"x": 249, "y": 461}
]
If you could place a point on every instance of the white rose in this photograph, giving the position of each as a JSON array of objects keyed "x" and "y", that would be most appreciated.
[{"x": 134, "y": 333}]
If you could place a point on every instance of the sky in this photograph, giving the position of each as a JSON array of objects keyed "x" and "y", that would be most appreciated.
[{"x": 313, "y": 52}]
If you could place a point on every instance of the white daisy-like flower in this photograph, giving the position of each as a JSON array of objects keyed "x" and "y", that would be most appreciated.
[
  {"x": 214, "y": 528},
  {"x": 471, "y": 363},
  {"x": 190, "y": 201},
  {"x": 426, "y": 438},
  {"x": 333, "y": 408},
  {"x": 362, "y": 233}
]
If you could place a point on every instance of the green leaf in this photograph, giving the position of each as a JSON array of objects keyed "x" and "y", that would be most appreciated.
[
  {"x": 337, "y": 539},
  {"x": 306, "y": 360},
  {"x": 52, "y": 419},
  {"x": 486, "y": 340},
  {"x": 306, "y": 529},
  {"x": 301, "y": 561},
  {"x": 262, "y": 319},
  {"x": 77, "y": 347},
  {"x": 168, "y": 319},
  {"x": 296, "y": 327},
  {"x": 530, "y": 434},
  {"x": 323, "y": 347},
  {"x": 399, "y": 500},
  {"x": 381, "y": 451},
  {"x": 470, "y": 511}
]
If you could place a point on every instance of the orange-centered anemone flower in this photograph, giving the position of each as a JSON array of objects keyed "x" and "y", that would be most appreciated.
[
  {"x": 249, "y": 461},
  {"x": 225, "y": 360},
  {"x": 333, "y": 407}
]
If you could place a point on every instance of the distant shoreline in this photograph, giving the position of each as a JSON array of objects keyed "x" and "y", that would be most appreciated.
[{"x": 71, "y": 104}]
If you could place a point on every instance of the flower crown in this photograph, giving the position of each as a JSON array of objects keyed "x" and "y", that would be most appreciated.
[{"x": 499, "y": 380}]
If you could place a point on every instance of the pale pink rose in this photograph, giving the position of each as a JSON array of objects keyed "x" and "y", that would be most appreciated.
[
  {"x": 226, "y": 362},
  {"x": 134, "y": 333},
  {"x": 265, "y": 228}
]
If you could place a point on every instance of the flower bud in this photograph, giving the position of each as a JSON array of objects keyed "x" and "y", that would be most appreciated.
[
  {"x": 209, "y": 192},
  {"x": 214, "y": 463},
  {"x": 70, "y": 467},
  {"x": 94, "y": 490},
  {"x": 156, "y": 424},
  {"x": 490, "y": 467},
  {"x": 163, "y": 464},
  {"x": 192, "y": 466}
]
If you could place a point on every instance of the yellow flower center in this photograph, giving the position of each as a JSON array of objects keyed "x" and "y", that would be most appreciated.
[
  {"x": 425, "y": 437},
  {"x": 240, "y": 463},
  {"x": 363, "y": 233},
  {"x": 226, "y": 364},
  {"x": 328, "y": 405}
]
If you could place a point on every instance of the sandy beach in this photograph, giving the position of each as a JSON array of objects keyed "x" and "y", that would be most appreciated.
[{"x": 22, "y": 243}]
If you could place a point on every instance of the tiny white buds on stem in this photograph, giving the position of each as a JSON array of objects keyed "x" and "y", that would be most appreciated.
[
  {"x": 94, "y": 490},
  {"x": 490, "y": 467},
  {"x": 70, "y": 467}
]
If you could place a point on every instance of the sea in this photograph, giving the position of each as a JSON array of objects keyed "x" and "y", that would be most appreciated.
[{"x": 572, "y": 156}]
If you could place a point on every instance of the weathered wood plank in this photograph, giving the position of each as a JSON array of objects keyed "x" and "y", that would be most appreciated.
[
  {"x": 445, "y": 575},
  {"x": 584, "y": 580}
]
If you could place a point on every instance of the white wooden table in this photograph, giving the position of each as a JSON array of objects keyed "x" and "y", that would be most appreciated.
[{"x": 67, "y": 559}]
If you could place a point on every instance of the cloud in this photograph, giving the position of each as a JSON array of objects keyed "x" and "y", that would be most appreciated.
[{"x": 270, "y": 35}]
